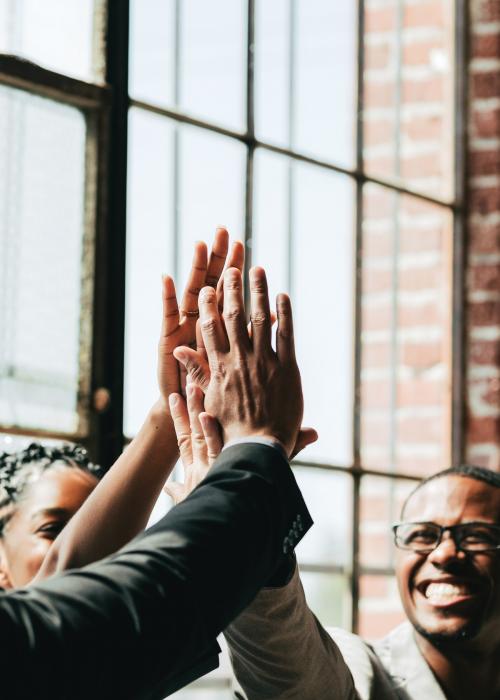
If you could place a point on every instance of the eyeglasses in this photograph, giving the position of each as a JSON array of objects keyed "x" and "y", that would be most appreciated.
[{"x": 468, "y": 537}]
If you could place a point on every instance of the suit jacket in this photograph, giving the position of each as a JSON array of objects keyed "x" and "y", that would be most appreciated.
[
  {"x": 280, "y": 651},
  {"x": 133, "y": 625}
]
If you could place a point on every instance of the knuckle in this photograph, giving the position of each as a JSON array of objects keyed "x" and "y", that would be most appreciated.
[
  {"x": 209, "y": 325},
  {"x": 259, "y": 318},
  {"x": 232, "y": 313},
  {"x": 183, "y": 441}
]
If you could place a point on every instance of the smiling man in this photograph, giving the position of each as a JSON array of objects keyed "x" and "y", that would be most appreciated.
[{"x": 448, "y": 572}]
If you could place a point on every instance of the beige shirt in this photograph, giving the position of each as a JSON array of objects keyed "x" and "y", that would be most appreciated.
[{"x": 280, "y": 651}]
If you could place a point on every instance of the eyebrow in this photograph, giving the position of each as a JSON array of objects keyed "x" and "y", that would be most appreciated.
[{"x": 51, "y": 512}]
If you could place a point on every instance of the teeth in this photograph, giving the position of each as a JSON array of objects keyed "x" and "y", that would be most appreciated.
[{"x": 445, "y": 591}]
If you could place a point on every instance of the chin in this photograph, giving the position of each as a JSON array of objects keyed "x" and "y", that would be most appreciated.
[{"x": 465, "y": 632}]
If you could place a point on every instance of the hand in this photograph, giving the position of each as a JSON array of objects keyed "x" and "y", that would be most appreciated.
[
  {"x": 252, "y": 389},
  {"x": 179, "y": 325},
  {"x": 199, "y": 440}
]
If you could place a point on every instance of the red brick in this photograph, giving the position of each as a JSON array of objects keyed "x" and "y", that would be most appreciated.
[
  {"x": 376, "y": 624},
  {"x": 376, "y": 280},
  {"x": 379, "y": 94},
  {"x": 375, "y": 354},
  {"x": 426, "y": 165},
  {"x": 484, "y": 352},
  {"x": 421, "y": 392},
  {"x": 485, "y": 429},
  {"x": 484, "y": 162},
  {"x": 485, "y": 46},
  {"x": 430, "y": 90},
  {"x": 375, "y": 318},
  {"x": 377, "y": 132},
  {"x": 486, "y": 124},
  {"x": 417, "y": 53},
  {"x": 379, "y": 19},
  {"x": 484, "y": 200},
  {"x": 424, "y": 14},
  {"x": 377, "y": 57},
  {"x": 376, "y": 394},
  {"x": 485, "y": 278},
  {"x": 484, "y": 238},
  {"x": 422, "y": 356},
  {"x": 423, "y": 128},
  {"x": 420, "y": 278},
  {"x": 485, "y": 84},
  {"x": 416, "y": 240},
  {"x": 484, "y": 313},
  {"x": 420, "y": 430},
  {"x": 486, "y": 10}
]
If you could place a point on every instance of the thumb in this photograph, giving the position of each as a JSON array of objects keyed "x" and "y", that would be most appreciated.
[
  {"x": 195, "y": 365},
  {"x": 305, "y": 437}
]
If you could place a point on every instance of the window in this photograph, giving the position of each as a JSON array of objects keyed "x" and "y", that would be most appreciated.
[{"x": 329, "y": 137}]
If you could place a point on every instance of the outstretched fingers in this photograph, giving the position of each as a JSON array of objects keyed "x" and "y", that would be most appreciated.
[
  {"x": 217, "y": 258},
  {"x": 195, "y": 365},
  {"x": 170, "y": 309},
  {"x": 195, "y": 407}
]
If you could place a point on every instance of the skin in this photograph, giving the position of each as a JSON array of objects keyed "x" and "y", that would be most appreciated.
[
  {"x": 45, "y": 508},
  {"x": 459, "y": 637}
]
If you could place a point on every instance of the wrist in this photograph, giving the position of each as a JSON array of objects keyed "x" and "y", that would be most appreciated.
[{"x": 160, "y": 410}]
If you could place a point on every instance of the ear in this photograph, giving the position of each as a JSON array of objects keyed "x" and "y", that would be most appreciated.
[{"x": 5, "y": 581}]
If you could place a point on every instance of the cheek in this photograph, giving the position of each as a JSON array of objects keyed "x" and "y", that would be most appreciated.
[{"x": 27, "y": 560}]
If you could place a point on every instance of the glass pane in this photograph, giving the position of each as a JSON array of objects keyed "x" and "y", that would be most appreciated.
[
  {"x": 305, "y": 76},
  {"x": 406, "y": 333},
  {"x": 304, "y": 236},
  {"x": 381, "y": 500},
  {"x": 150, "y": 253},
  {"x": 57, "y": 34},
  {"x": 208, "y": 77},
  {"x": 328, "y": 495},
  {"x": 329, "y": 597},
  {"x": 45, "y": 313},
  {"x": 211, "y": 190},
  {"x": 408, "y": 92},
  {"x": 380, "y": 609},
  {"x": 167, "y": 213}
]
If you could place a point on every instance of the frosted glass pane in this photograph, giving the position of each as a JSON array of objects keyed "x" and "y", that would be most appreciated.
[
  {"x": 305, "y": 76},
  {"x": 329, "y": 597},
  {"x": 211, "y": 190},
  {"x": 152, "y": 51},
  {"x": 329, "y": 498},
  {"x": 54, "y": 33},
  {"x": 42, "y": 223},
  {"x": 191, "y": 55},
  {"x": 150, "y": 253}
]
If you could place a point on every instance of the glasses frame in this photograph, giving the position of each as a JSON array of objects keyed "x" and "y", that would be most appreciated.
[{"x": 453, "y": 530}]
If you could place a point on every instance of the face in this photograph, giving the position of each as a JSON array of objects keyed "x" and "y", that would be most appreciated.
[
  {"x": 447, "y": 594},
  {"x": 41, "y": 514}
]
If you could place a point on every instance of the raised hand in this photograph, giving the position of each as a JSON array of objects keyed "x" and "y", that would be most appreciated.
[
  {"x": 252, "y": 390},
  {"x": 199, "y": 440},
  {"x": 179, "y": 322}
]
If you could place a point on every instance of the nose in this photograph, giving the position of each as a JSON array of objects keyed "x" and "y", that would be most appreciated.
[{"x": 445, "y": 552}]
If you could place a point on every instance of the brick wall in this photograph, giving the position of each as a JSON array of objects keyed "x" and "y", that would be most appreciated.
[{"x": 483, "y": 264}]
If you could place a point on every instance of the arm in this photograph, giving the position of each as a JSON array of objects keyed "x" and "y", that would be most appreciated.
[
  {"x": 279, "y": 649},
  {"x": 124, "y": 627},
  {"x": 120, "y": 505}
]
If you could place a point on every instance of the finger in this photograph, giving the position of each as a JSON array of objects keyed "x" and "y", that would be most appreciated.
[
  {"x": 285, "y": 346},
  {"x": 170, "y": 311},
  {"x": 236, "y": 259},
  {"x": 212, "y": 330},
  {"x": 179, "y": 413},
  {"x": 217, "y": 257},
  {"x": 234, "y": 310},
  {"x": 196, "y": 280},
  {"x": 305, "y": 437},
  {"x": 213, "y": 439},
  {"x": 200, "y": 345},
  {"x": 195, "y": 364},
  {"x": 260, "y": 313},
  {"x": 195, "y": 407}
]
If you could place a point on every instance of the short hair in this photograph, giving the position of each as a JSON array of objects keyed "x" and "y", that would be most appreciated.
[
  {"x": 468, "y": 471},
  {"x": 20, "y": 469}
]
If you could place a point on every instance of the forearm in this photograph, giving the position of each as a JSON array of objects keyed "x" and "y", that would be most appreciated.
[
  {"x": 279, "y": 649},
  {"x": 120, "y": 506}
]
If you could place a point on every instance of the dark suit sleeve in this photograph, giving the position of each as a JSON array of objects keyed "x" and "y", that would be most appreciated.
[{"x": 124, "y": 627}]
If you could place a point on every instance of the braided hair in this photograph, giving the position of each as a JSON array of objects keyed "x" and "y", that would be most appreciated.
[{"x": 20, "y": 469}]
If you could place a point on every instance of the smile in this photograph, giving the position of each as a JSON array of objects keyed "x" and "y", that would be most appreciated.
[{"x": 441, "y": 594}]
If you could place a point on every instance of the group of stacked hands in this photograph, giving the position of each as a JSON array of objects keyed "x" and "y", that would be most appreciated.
[{"x": 142, "y": 622}]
